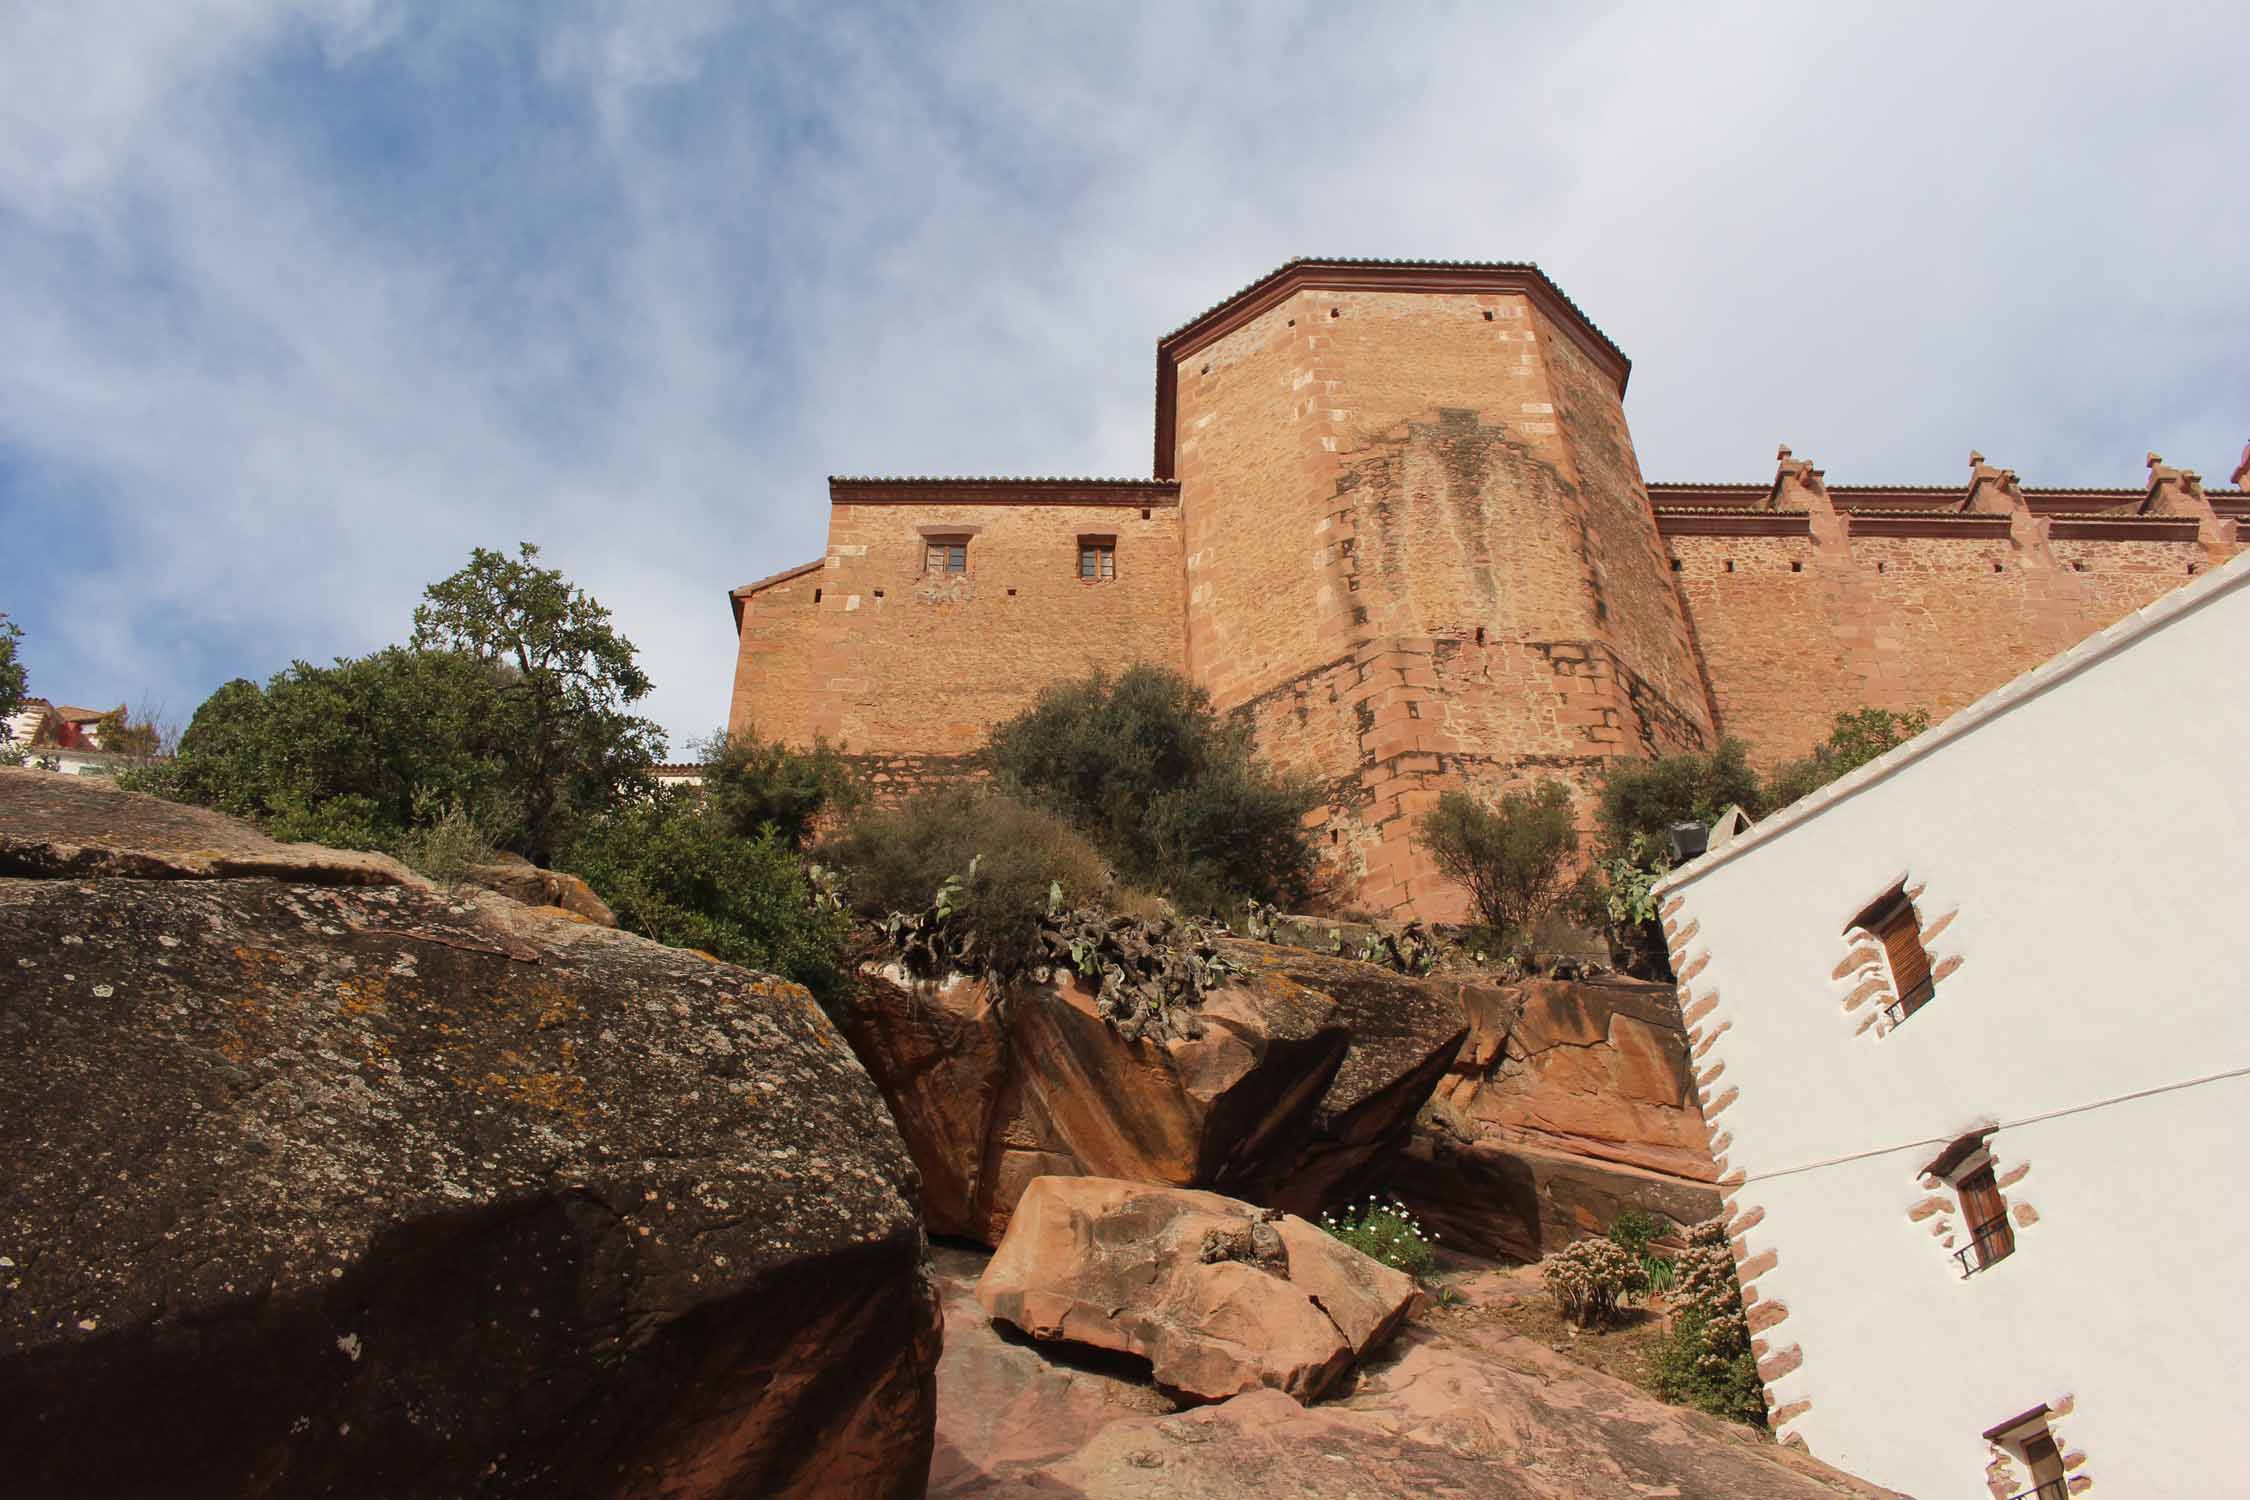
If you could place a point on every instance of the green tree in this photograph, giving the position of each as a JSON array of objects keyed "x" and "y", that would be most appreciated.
[
  {"x": 13, "y": 683},
  {"x": 1855, "y": 739},
  {"x": 753, "y": 784},
  {"x": 353, "y": 754},
  {"x": 1516, "y": 861},
  {"x": 1169, "y": 791},
  {"x": 673, "y": 870},
  {"x": 568, "y": 746},
  {"x": 1646, "y": 797}
]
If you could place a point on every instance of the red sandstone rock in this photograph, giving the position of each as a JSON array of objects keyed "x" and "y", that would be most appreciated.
[
  {"x": 1457, "y": 1406},
  {"x": 1596, "y": 1068},
  {"x": 1309, "y": 1072},
  {"x": 1218, "y": 1296},
  {"x": 1497, "y": 1198}
]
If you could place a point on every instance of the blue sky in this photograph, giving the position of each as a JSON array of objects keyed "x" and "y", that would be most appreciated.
[{"x": 301, "y": 301}]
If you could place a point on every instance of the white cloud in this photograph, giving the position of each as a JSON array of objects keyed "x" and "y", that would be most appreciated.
[{"x": 303, "y": 301}]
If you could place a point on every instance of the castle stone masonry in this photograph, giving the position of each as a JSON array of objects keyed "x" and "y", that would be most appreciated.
[{"x": 1397, "y": 523}]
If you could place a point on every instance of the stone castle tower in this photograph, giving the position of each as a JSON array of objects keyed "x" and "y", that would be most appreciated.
[{"x": 1397, "y": 522}]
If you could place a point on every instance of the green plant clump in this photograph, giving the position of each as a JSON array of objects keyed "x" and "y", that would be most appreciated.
[
  {"x": 1706, "y": 1361},
  {"x": 754, "y": 784},
  {"x": 1517, "y": 861},
  {"x": 1003, "y": 856},
  {"x": 674, "y": 872},
  {"x": 1591, "y": 1281},
  {"x": 1385, "y": 1231},
  {"x": 1169, "y": 791}
]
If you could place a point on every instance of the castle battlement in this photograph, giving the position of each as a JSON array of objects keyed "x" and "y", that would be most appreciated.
[{"x": 1398, "y": 525}]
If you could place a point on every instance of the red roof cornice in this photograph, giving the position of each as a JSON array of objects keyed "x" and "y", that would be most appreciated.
[
  {"x": 1513, "y": 277},
  {"x": 844, "y": 489}
]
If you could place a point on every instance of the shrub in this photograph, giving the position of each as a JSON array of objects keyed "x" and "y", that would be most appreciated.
[
  {"x": 753, "y": 784},
  {"x": 448, "y": 846},
  {"x": 1516, "y": 860},
  {"x": 1706, "y": 1361},
  {"x": 1635, "y": 1230},
  {"x": 1590, "y": 1281},
  {"x": 1385, "y": 1232},
  {"x": 1168, "y": 790},
  {"x": 674, "y": 872},
  {"x": 897, "y": 859},
  {"x": 1646, "y": 797},
  {"x": 1855, "y": 739},
  {"x": 340, "y": 754}
]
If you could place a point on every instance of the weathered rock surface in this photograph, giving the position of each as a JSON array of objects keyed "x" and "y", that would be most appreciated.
[
  {"x": 1595, "y": 1067},
  {"x": 1405, "y": 1034},
  {"x": 519, "y": 879},
  {"x": 992, "y": 1092},
  {"x": 1218, "y": 1296},
  {"x": 1450, "y": 1409},
  {"x": 82, "y": 825},
  {"x": 328, "y": 1188},
  {"x": 1492, "y": 1198}
]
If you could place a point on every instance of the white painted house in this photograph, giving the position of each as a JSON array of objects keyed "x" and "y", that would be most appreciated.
[{"x": 1973, "y": 1037}]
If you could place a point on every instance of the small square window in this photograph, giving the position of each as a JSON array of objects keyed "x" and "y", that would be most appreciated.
[
  {"x": 1097, "y": 561},
  {"x": 946, "y": 555}
]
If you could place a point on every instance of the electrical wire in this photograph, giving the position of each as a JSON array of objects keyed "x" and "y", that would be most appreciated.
[{"x": 2052, "y": 1114}]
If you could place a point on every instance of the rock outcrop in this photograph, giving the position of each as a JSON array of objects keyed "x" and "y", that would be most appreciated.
[
  {"x": 1596, "y": 1068},
  {"x": 1220, "y": 1297},
  {"x": 1456, "y": 1406},
  {"x": 324, "y": 1183},
  {"x": 1572, "y": 1101},
  {"x": 1283, "y": 1084},
  {"x": 519, "y": 879}
]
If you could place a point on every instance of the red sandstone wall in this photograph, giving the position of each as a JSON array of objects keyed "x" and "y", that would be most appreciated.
[
  {"x": 777, "y": 650},
  {"x": 1793, "y": 631},
  {"x": 1419, "y": 558},
  {"x": 895, "y": 661}
]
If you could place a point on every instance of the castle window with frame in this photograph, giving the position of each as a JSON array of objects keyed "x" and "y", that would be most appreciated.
[
  {"x": 1967, "y": 1164},
  {"x": 2029, "y": 1440},
  {"x": 945, "y": 554},
  {"x": 1893, "y": 922},
  {"x": 1097, "y": 559}
]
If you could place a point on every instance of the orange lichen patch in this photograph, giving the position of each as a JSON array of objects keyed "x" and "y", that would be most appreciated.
[
  {"x": 359, "y": 995},
  {"x": 564, "y": 914}
]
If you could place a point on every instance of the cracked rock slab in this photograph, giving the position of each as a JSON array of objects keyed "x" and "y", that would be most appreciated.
[
  {"x": 340, "y": 1189},
  {"x": 1219, "y": 1296}
]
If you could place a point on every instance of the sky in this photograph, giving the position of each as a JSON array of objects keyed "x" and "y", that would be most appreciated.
[{"x": 299, "y": 302}]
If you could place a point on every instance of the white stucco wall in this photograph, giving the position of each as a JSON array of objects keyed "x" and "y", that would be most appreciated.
[{"x": 2091, "y": 823}]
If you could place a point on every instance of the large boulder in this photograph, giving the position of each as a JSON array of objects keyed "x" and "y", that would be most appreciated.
[
  {"x": 1593, "y": 1067},
  {"x": 1303, "y": 1076},
  {"x": 993, "y": 1090},
  {"x": 1454, "y": 1405},
  {"x": 323, "y": 1183},
  {"x": 1218, "y": 1296}
]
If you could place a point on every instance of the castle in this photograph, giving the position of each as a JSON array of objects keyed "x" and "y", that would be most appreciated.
[{"x": 1397, "y": 523}]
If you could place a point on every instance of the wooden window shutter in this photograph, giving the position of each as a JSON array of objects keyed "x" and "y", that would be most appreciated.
[
  {"x": 1902, "y": 944},
  {"x": 1987, "y": 1213}
]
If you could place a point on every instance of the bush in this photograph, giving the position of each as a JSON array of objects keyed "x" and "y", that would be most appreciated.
[
  {"x": 1168, "y": 790},
  {"x": 1516, "y": 861},
  {"x": 344, "y": 754},
  {"x": 1855, "y": 739},
  {"x": 448, "y": 846},
  {"x": 1590, "y": 1281},
  {"x": 896, "y": 859},
  {"x": 673, "y": 871},
  {"x": 1388, "y": 1233},
  {"x": 1646, "y": 797},
  {"x": 754, "y": 784},
  {"x": 1706, "y": 1361}
]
